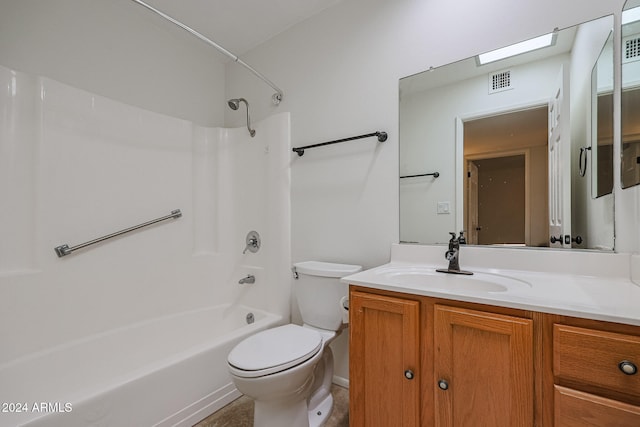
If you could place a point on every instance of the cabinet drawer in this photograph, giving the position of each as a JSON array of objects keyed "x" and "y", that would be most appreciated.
[
  {"x": 577, "y": 409},
  {"x": 594, "y": 358}
]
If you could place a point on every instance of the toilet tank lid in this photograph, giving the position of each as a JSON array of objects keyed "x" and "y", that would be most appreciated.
[{"x": 326, "y": 269}]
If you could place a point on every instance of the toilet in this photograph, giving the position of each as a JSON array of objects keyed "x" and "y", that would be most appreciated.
[{"x": 288, "y": 370}]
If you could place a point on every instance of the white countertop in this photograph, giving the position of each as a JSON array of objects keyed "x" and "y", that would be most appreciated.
[{"x": 581, "y": 284}]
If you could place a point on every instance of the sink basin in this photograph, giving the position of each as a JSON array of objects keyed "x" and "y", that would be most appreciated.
[{"x": 424, "y": 277}]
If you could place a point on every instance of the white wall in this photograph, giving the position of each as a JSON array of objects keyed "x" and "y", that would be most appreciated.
[
  {"x": 339, "y": 71},
  {"x": 116, "y": 49}
]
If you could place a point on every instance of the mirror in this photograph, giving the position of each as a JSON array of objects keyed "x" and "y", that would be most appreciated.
[
  {"x": 630, "y": 118},
  {"x": 494, "y": 149}
]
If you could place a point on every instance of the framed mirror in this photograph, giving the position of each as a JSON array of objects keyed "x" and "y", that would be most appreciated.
[
  {"x": 630, "y": 104},
  {"x": 492, "y": 147}
]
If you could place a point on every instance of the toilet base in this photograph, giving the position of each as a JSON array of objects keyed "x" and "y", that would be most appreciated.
[
  {"x": 319, "y": 415},
  {"x": 296, "y": 415},
  {"x": 320, "y": 402},
  {"x": 278, "y": 415},
  {"x": 294, "y": 412}
]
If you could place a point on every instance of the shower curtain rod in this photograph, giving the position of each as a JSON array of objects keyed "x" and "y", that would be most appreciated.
[{"x": 276, "y": 98}]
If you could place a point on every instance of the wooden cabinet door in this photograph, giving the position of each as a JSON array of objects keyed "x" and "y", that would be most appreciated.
[
  {"x": 483, "y": 369},
  {"x": 384, "y": 361}
]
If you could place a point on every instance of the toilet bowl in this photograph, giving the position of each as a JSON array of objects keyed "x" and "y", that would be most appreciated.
[{"x": 288, "y": 370}]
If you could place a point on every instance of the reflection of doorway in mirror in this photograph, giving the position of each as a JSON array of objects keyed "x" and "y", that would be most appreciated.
[
  {"x": 507, "y": 153},
  {"x": 496, "y": 200}
]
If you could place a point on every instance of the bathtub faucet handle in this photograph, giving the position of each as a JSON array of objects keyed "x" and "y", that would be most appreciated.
[{"x": 253, "y": 242}]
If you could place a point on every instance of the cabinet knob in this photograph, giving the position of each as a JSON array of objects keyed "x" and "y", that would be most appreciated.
[
  {"x": 443, "y": 384},
  {"x": 628, "y": 368},
  {"x": 408, "y": 374}
]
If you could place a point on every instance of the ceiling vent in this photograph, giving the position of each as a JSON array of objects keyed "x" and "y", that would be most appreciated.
[
  {"x": 500, "y": 81},
  {"x": 631, "y": 48}
]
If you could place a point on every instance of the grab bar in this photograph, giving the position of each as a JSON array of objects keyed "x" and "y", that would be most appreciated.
[
  {"x": 382, "y": 137},
  {"x": 63, "y": 250}
]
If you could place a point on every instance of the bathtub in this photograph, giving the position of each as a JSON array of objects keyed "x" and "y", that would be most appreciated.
[{"x": 169, "y": 371}]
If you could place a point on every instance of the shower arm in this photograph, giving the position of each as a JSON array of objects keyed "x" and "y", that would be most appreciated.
[
  {"x": 251, "y": 131},
  {"x": 275, "y": 98}
]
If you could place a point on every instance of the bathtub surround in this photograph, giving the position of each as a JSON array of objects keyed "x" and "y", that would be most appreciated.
[{"x": 77, "y": 166}]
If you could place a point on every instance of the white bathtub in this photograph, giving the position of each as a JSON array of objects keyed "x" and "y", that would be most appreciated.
[{"x": 169, "y": 371}]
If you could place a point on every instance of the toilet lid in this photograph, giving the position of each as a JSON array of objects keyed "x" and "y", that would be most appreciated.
[{"x": 274, "y": 350}]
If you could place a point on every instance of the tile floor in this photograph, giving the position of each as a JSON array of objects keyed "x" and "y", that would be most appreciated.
[{"x": 239, "y": 413}]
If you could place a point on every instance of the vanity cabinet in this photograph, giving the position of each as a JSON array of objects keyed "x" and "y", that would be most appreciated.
[
  {"x": 483, "y": 367},
  {"x": 596, "y": 379},
  {"x": 424, "y": 361},
  {"x": 384, "y": 389},
  {"x": 419, "y": 361}
]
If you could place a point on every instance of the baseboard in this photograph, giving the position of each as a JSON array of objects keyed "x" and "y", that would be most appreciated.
[
  {"x": 202, "y": 408},
  {"x": 341, "y": 381}
]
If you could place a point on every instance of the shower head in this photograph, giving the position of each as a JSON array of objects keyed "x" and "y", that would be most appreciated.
[{"x": 234, "y": 104}]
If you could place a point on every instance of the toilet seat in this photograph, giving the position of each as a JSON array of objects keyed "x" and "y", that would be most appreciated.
[{"x": 274, "y": 350}]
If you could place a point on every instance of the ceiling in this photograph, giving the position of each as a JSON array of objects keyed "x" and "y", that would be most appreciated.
[{"x": 240, "y": 25}]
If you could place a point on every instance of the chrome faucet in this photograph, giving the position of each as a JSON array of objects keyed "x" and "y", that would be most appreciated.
[
  {"x": 453, "y": 255},
  {"x": 249, "y": 279}
]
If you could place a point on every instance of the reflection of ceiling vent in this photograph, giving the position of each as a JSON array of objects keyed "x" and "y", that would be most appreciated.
[
  {"x": 500, "y": 81},
  {"x": 631, "y": 48}
]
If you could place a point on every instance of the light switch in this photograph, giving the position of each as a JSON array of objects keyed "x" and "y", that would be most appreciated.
[{"x": 444, "y": 208}]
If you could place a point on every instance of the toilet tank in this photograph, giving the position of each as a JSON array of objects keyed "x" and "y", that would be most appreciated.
[{"x": 318, "y": 291}]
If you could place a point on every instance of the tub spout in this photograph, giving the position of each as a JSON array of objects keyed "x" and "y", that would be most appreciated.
[{"x": 249, "y": 279}]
